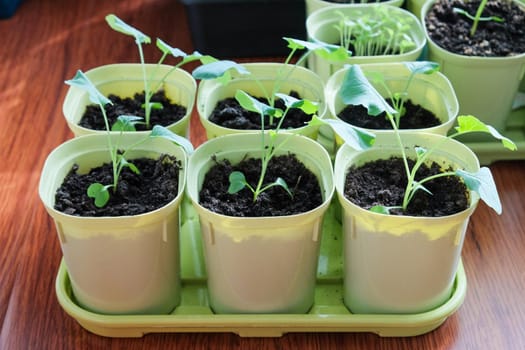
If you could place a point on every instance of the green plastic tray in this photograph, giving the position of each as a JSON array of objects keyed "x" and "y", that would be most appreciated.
[{"x": 328, "y": 314}]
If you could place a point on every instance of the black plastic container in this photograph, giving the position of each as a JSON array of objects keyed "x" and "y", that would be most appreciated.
[{"x": 245, "y": 28}]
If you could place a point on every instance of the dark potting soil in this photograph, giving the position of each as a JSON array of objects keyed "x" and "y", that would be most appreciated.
[
  {"x": 451, "y": 30},
  {"x": 228, "y": 113},
  {"x": 169, "y": 114},
  {"x": 416, "y": 117},
  {"x": 272, "y": 202},
  {"x": 155, "y": 186},
  {"x": 382, "y": 182}
]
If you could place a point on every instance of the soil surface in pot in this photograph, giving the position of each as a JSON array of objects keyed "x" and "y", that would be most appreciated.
[
  {"x": 228, "y": 113},
  {"x": 170, "y": 112},
  {"x": 273, "y": 202},
  {"x": 155, "y": 186},
  {"x": 383, "y": 182},
  {"x": 451, "y": 30},
  {"x": 416, "y": 117}
]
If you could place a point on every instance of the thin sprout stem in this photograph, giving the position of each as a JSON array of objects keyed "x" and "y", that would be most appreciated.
[{"x": 146, "y": 87}]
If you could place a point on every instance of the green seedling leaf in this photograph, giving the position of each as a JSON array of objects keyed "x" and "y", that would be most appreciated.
[
  {"x": 483, "y": 183},
  {"x": 175, "y": 52},
  {"x": 126, "y": 123},
  {"x": 280, "y": 182},
  {"x": 168, "y": 50},
  {"x": 469, "y": 123},
  {"x": 99, "y": 193},
  {"x": 306, "y": 106},
  {"x": 82, "y": 81},
  {"x": 153, "y": 105},
  {"x": 251, "y": 104},
  {"x": 418, "y": 186},
  {"x": 326, "y": 51},
  {"x": 380, "y": 209},
  {"x": 356, "y": 138},
  {"x": 125, "y": 164},
  {"x": 120, "y": 26},
  {"x": 422, "y": 67},
  {"x": 160, "y": 131},
  {"x": 237, "y": 182},
  {"x": 357, "y": 90},
  {"x": 420, "y": 151},
  {"x": 217, "y": 69},
  {"x": 375, "y": 77}
]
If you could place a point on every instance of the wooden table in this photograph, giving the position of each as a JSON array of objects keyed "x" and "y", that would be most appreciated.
[{"x": 44, "y": 44}]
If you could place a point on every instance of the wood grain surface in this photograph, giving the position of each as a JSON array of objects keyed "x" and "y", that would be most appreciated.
[{"x": 43, "y": 45}]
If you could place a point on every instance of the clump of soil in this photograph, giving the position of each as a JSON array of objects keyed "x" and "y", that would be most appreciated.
[
  {"x": 272, "y": 202},
  {"x": 169, "y": 114},
  {"x": 155, "y": 186},
  {"x": 451, "y": 30},
  {"x": 415, "y": 117},
  {"x": 383, "y": 182},
  {"x": 228, "y": 113}
]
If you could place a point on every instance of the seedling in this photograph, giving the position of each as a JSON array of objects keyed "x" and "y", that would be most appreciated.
[
  {"x": 381, "y": 33},
  {"x": 397, "y": 98},
  {"x": 100, "y": 192},
  {"x": 140, "y": 38},
  {"x": 360, "y": 92},
  {"x": 270, "y": 148},
  {"x": 477, "y": 17},
  {"x": 222, "y": 70}
]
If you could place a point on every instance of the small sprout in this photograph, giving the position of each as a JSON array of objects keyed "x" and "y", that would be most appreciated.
[
  {"x": 480, "y": 182},
  {"x": 477, "y": 17},
  {"x": 126, "y": 123},
  {"x": 140, "y": 38},
  {"x": 356, "y": 89},
  {"x": 99, "y": 192}
]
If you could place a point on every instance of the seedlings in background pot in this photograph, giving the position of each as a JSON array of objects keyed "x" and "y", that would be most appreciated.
[
  {"x": 140, "y": 38},
  {"x": 359, "y": 91},
  {"x": 100, "y": 192},
  {"x": 477, "y": 17},
  {"x": 381, "y": 33}
]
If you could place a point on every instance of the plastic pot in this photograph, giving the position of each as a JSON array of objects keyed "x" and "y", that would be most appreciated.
[
  {"x": 485, "y": 86},
  {"x": 264, "y": 264},
  {"x": 313, "y": 5},
  {"x": 401, "y": 264},
  {"x": 117, "y": 265}
]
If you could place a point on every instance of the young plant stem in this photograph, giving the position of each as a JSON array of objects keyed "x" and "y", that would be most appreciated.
[{"x": 479, "y": 11}]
